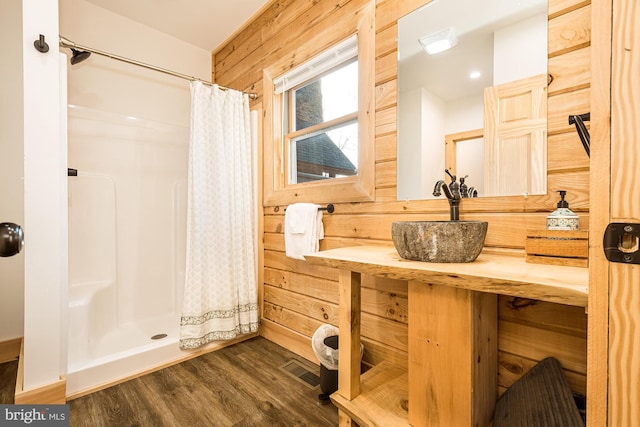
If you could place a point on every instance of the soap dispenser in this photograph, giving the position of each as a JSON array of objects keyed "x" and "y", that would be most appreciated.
[{"x": 562, "y": 218}]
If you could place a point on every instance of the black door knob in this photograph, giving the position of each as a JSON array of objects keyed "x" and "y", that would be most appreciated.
[{"x": 11, "y": 239}]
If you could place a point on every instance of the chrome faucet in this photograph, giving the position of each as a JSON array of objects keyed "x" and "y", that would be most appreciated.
[{"x": 452, "y": 192}]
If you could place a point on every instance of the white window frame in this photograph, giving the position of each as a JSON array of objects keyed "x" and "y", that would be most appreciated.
[
  {"x": 360, "y": 187},
  {"x": 338, "y": 56},
  {"x": 329, "y": 59}
]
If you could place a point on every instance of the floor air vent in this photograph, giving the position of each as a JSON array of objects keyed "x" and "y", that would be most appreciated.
[{"x": 301, "y": 373}]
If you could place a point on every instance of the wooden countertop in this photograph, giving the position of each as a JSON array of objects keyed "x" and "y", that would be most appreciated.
[{"x": 492, "y": 273}]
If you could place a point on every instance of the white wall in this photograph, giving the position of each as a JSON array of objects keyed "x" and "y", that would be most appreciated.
[
  {"x": 464, "y": 114},
  {"x": 12, "y": 165},
  {"x": 109, "y": 85},
  {"x": 520, "y": 50},
  {"x": 44, "y": 193},
  {"x": 420, "y": 156},
  {"x": 410, "y": 151},
  {"x": 31, "y": 175},
  {"x": 469, "y": 162},
  {"x": 433, "y": 147}
]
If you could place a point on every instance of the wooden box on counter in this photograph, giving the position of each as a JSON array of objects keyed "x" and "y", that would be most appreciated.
[{"x": 558, "y": 247}]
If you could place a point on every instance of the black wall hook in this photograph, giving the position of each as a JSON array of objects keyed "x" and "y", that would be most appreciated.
[
  {"x": 41, "y": 45},
  {"x": 583, "y": 132}
]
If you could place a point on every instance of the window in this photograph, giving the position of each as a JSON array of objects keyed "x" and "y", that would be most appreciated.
[{"x": 318, "y": 117}]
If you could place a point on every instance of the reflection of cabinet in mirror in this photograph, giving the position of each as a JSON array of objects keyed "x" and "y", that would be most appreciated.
[{"x": 515, "y": 129}]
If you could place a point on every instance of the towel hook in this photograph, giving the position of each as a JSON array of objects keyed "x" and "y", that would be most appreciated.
[
  {"x": 41, "y": 45},
  {"x": 582, "y": 130}
]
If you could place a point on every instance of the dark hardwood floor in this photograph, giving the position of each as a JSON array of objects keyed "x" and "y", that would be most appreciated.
[{"x": 241, "y": 385}]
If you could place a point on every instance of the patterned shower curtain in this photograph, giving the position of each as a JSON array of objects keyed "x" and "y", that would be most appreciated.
[{"x": 221, "y": 292}]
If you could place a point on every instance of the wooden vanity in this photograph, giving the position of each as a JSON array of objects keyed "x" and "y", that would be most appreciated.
[{"x": 452, "y": 334}]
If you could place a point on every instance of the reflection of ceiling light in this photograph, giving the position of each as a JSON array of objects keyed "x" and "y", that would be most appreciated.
[
  {"x": 475, "y": 75},
  {"x": 439, "y": 41}
]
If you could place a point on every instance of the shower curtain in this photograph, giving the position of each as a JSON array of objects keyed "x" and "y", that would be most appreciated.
[{"x": 221, "y": 292}]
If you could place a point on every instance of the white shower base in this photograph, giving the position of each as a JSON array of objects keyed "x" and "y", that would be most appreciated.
[
  {"x": 123, "y": 352},
  {"x": 116, "y": 367},
  {"x": 119, "y": 353}
]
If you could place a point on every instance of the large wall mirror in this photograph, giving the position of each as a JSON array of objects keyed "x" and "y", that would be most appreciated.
[{"x": 472, "y": 81}]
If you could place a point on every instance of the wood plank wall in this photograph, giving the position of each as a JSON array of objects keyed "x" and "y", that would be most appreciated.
[{"x": 298, "y": 298}]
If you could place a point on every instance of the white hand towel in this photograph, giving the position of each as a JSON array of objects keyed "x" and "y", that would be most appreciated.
[{"x": 302, "y": 229}]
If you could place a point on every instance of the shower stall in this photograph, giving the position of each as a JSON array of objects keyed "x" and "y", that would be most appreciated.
[
  {"x": 127, "y": 209},
  {"x": 127, "y": 232}
]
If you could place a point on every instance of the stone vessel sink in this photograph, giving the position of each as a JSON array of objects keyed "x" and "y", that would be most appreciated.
[{"x": 439, "y": 241}]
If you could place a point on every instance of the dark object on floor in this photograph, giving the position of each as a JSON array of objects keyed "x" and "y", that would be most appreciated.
[
  {"x": 581, "y": 403},
  {"x": 328, "y": 377},
  {"x": 541, "y": 398},
  {"x": 297, "y": 369},
  {"x": 8, "y": 375}
]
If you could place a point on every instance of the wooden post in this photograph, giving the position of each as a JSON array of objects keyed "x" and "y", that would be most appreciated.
[
  {"x": 452, "y": 356},
  {"x": 349, "y": 336},
  {"x": 344, "y": 420},
  {"x": 600, "y": 169}
]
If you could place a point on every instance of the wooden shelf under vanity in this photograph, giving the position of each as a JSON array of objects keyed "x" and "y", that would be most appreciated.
[
  {"x": 452, "y": 333},
  {"x": 383, "y": 398}
]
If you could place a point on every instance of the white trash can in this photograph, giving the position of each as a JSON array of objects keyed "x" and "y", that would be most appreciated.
[{"x": 325, "y": 346}]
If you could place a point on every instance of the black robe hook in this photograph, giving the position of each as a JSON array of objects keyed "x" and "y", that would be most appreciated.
[
  {"x": 41, "y": 45},
  {"x": 583, "y": 132}
]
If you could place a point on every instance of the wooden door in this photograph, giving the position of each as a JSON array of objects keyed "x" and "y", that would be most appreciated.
[
  {"x": 515, "y": 128},
  {"x": 624, "y": 279},
  {"x": 613, "y": 367}
]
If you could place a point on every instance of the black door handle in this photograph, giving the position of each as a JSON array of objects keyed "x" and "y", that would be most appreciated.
[{"x": 11, "y": 239}]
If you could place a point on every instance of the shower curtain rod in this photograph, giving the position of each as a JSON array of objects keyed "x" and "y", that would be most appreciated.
[{"x": 66, "y": 43}]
